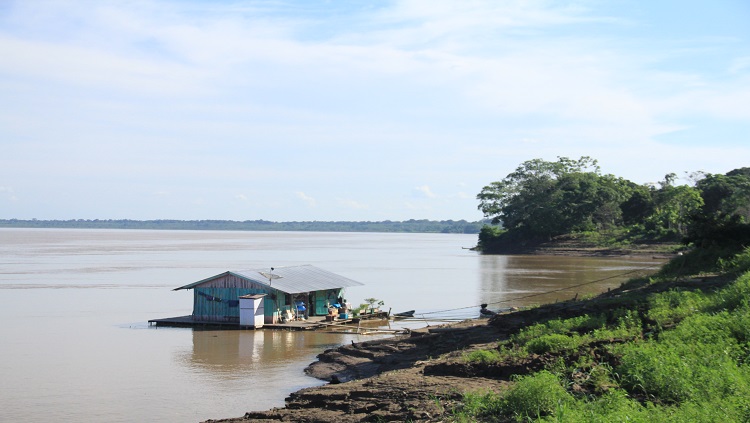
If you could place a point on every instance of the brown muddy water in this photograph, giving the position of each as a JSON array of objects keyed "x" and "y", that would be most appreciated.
[{"x": 74, "y": 306}]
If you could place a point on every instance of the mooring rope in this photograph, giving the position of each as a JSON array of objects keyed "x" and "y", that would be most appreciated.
[{"x": 537, "y": 294}]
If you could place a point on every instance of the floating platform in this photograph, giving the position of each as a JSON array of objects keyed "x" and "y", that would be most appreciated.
[{"x": 311, "y": 323}]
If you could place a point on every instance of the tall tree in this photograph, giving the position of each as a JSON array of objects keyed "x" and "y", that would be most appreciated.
[
  {"x": 724, "y": 218},
  {"x": 550, "y": 198}
]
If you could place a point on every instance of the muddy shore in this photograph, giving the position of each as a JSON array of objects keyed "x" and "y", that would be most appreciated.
[{"x": 385, "y": 379}]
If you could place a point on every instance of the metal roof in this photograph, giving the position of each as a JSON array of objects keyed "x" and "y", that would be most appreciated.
[{"x": 292, "y": 280}]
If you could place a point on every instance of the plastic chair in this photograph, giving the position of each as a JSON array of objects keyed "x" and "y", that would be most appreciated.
[{"x": 300, "y": 308}]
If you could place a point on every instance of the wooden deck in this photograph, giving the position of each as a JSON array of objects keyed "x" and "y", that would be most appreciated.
[{"x": 312, "y": 323}]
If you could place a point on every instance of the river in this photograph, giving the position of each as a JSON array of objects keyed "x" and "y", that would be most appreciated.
[{"x": 74, "y": 304}]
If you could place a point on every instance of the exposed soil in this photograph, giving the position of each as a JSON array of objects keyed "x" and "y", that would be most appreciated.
[{"x": 385, "y": 380}]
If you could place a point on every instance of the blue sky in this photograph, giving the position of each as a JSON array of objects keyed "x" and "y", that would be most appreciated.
[{"x": 337, "y": 110}]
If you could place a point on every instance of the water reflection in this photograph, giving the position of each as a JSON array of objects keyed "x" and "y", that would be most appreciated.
[
  {"x": 233, "y": 354},
  {"x": 507, "y": 281}
]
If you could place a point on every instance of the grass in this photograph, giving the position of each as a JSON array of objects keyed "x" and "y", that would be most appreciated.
[{"x": 681, "y": 355}]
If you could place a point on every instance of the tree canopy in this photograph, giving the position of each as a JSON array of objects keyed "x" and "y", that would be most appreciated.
[
  {"x": 543, "y": 199},
  {"x": 550, "y": 198}
]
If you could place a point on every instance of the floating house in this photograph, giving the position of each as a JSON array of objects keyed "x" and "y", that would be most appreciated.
[{"x": 282, "y": 293}]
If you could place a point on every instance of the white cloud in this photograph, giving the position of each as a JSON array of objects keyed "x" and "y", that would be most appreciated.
[
  {"x": 10, "y": 194},
  {"x": 740, "y": 65},
  {"x": 306, "y": 198},
  {"x": 352, "y": 204},
  {"x": 186, "y": 97},
  {"x": 424, "y": 191}
]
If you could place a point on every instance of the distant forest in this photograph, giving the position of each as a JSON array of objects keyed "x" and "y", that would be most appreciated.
[{"x": 409, "y": 226}]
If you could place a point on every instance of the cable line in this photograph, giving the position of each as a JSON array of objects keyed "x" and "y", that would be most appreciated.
[{"x": 546, "y": 292}]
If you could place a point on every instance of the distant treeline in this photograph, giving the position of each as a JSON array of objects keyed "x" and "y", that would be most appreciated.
[{"x": 410, "y": 226}]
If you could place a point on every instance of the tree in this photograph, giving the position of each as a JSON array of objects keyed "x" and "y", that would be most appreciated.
[
  {"x": 724, "y": 217},
  {"x": 543, "y": 199},
  {"x": 674, "y": 207},
  {"x": 638, "y": 206}
]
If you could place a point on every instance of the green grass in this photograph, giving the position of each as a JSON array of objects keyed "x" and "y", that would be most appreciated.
[
  {"x": 483, "y": 356},
  {"x": 680, "y": 356}
]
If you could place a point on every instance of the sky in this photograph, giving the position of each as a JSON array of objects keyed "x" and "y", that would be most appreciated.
[{"x": 354, "y": 110}]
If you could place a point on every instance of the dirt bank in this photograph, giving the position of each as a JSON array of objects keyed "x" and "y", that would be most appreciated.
[{"x": 384, "y": 380}]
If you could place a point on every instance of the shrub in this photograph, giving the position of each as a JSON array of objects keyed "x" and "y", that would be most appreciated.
[
  {"x": 737, "y": 264},
  {"x": 736, "y": 295},
  {"x": 535, "y": 395},
  {"x": 479, "y": 404}
]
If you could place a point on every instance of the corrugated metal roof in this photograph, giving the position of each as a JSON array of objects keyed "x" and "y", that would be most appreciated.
[{"x": 292, "y": 280}]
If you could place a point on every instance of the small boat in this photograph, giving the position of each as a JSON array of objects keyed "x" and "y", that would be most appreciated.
[{"x": 403, "y": 314}]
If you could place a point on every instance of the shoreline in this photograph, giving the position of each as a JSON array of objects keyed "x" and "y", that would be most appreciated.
[
  {"x": 420, "y": 376},
  {"x": 411, "y": 377},
  {"x": 574, "y": 248}
]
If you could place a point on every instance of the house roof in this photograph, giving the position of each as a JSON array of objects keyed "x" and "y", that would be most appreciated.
[{"x": 291, "y": 280}]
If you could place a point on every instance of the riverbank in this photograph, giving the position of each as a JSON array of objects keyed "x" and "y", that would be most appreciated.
[
  {"x": 576, "y": 245},
  {"x": 424, "y": 376}
]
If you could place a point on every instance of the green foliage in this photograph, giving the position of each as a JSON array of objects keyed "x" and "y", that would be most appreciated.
[
  {"x": 550, "y": 198},
  {"x": 489, "y": 237},
  {"x": 583, "y": 323},
  {"x": 736, "y": 296},
  {"x": 536, "y": 395},
  {"x": 673, "y": 306},
  {"x": 701, "y": 260},
  {"x": 698, "y": 361},
  {"x": 483, "y": 404},
  {"x": 553, "y": 343},
  {"x": 740, "y": 263},
  {"x": 692, "y": 366},
  {"x": 673, "y": 208},
  {"x": 410, "y": 226},
  {"x": 541, "y": 200},
  {"x": 483, "y": 356},
  {"x": 627, "y": 325}
]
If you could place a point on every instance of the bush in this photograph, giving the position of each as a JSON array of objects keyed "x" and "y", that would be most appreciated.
[
  {"x": 536, "y": 395},
  {"x": 736, "y": 295},
  {"x": 483, "y": 404},
  {"x": 737, "y": 264}
]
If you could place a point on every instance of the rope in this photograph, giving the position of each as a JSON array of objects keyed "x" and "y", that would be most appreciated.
[{"x": 546, "y": 292}]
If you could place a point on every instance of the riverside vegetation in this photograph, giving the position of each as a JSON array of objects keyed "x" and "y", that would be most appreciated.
[{"x": 667, "y": 348}]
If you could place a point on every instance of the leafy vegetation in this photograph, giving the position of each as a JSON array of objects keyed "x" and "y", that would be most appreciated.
[
  {"x": 411, "y": 226},
  {"x": 541, "y": 200},
  {"x": 664, "y": 354}
]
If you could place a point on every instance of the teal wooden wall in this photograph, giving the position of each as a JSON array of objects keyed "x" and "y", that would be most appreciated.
[{"x": 220, "y": 304}]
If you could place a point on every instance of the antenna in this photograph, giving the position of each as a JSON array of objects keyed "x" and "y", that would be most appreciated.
[{"x": 270, "y": 276}]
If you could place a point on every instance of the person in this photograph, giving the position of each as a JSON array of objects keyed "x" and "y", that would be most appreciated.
[{"x": 486, "y": 312}]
